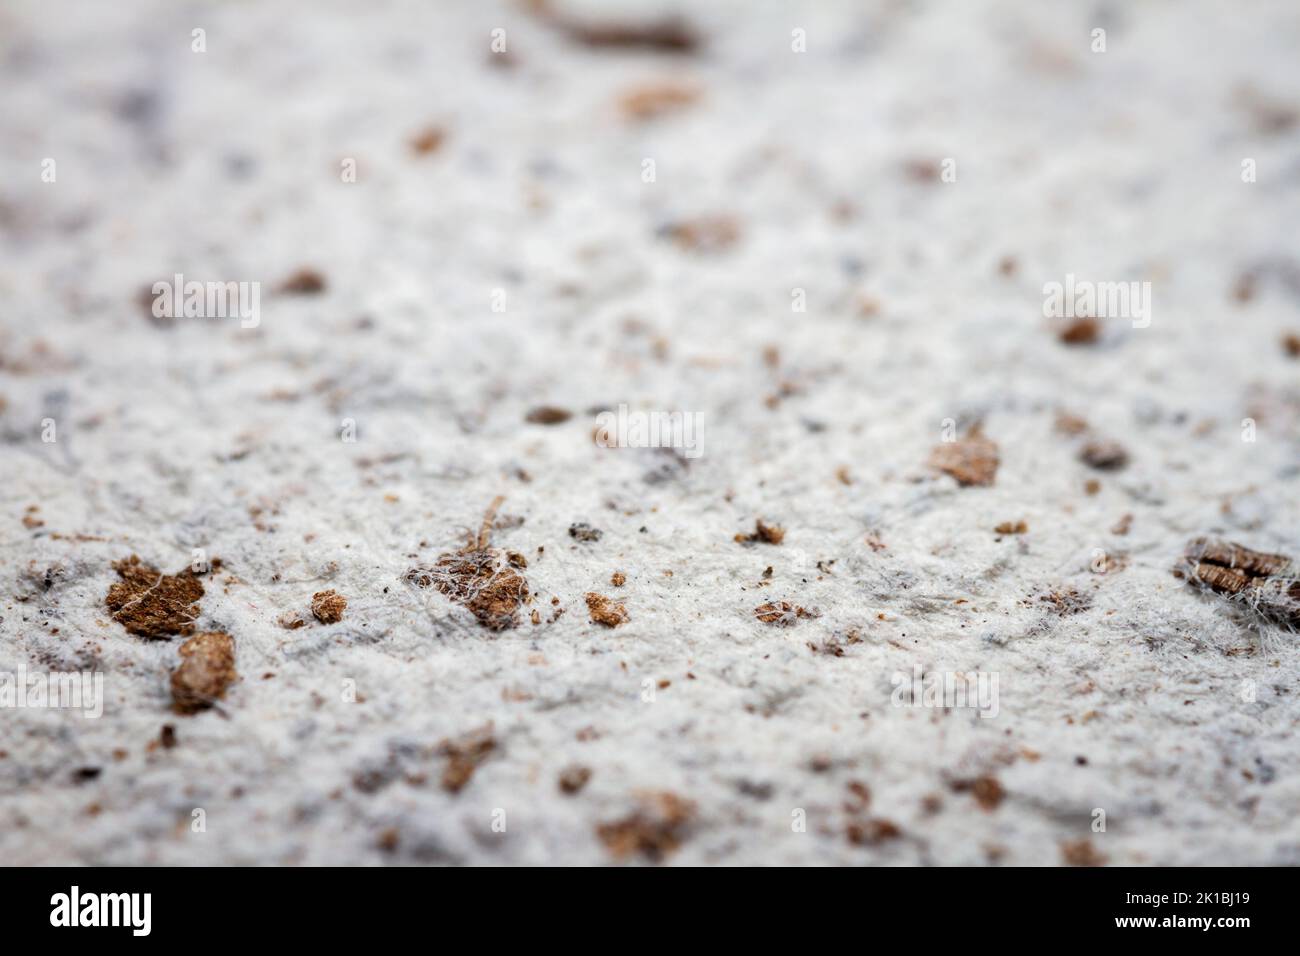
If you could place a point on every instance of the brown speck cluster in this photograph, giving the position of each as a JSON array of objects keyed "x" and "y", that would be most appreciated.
[
  {"x": 1065, "y": 601},
  {"x": 780, "y": 613},
  {"x": 573, "y": 778},
  {"x": 581, "y": 531}
]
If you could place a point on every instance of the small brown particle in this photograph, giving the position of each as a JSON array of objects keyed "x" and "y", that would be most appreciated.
[
  {"x": 861, "y": 795},
  {"x": 1069, "y": 424},
  {"x": 922, "y": 170},
  {"x": 464, "y": 756},
  {"x": 389, "y": 840},
  {"x": 972, "y": 459},
  {"x": 988, "y": 792},
  {"x": 428, "y": 140},
  {"x": 706, "y": 233},
  {"x": 986, "y": 789},
  {"x": 1012, "y": 527},
  {"x": 328, "y": 606},
  {"x": 618, "y": 579},
  {"x": 763, "y": 533},
  {"x": 1291, "y": 344},
  {"x": 151, "y": 604},
  {"x": 547, "y": 415},
  {"x": 1123, "y": 525},
  {"x": 291, "y": 621},
  {"x": 207, "y": 668},
  {"x": 1104, "y": 454},
  {"x": 604, "y": 611},
  {"x": 1081, "y": 852},
  {"x": 654, "y": 830},
  {"x": 167, "y": 736},
  {"x": 654, "y": 100},
  {"x": 872, "y": 832},
  {"x": 573, "y": 778},
  {"x": 303, "y": 282},
  {"x": 1091, "y": 486},
  {"x": 1081, "y": 331},
  {"x": 1244, "y": 289}
]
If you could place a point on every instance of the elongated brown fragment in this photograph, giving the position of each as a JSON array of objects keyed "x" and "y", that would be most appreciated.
[{"x": 1268, "y": 584}]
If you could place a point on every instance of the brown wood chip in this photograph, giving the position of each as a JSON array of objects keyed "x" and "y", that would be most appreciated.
[
  {"x": 605, "y": 611},
  {"x": 207, "y": 669},
  {"x": 151, "y": 604},
  {"x": 1268, "y": 584}
]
